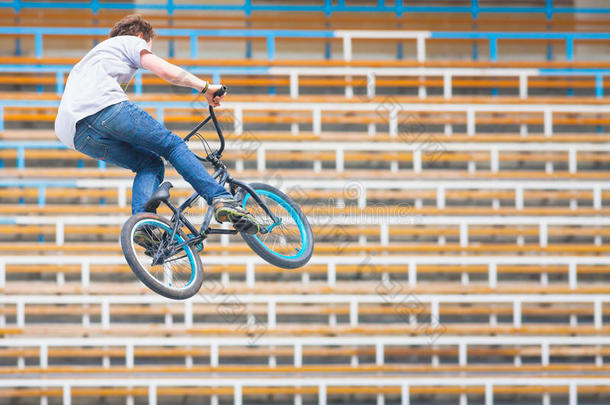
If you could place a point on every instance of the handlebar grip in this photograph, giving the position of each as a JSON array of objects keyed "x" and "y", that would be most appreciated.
[{"x": 221, "y": 91}]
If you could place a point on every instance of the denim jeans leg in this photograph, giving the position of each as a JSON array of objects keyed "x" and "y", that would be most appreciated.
[
  {"x": 149, "y": 174},
  {"x": 147, "y": 165},
  {"x": 136, "y": 127}
]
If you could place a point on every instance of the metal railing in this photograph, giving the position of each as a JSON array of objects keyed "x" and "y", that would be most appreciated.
[
  {"x": 328, "y": 7},
  {"x": 346, "y": 36}
]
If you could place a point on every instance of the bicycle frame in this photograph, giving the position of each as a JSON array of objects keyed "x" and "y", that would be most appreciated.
[{"x": 222, "y": 176}]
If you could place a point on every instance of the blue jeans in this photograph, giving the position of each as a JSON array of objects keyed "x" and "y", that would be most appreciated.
[{"x": 127, "y": 136}]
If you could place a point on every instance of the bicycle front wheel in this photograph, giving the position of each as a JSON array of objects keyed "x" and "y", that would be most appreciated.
[
  {"x": 168, "y": 266},
  {"x": 290, "y": 243}
]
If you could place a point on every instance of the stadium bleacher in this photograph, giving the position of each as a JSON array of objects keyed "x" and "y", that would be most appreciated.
[{"x": 451, "y": 157}]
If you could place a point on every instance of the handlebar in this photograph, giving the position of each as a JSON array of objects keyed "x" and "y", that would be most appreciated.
[
  {"x": 218, "y": 153},
  {"x": 220, "y": 92}
]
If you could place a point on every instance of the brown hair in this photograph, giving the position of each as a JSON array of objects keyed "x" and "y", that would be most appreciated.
[{"x": 133, "y": 24}]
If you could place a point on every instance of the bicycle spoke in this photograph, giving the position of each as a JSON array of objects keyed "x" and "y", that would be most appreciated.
[
  {"x": 284, "y": 238},
  {"x": 162, "y": 259}
]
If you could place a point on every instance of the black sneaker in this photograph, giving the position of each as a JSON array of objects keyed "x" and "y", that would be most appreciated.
[
  {"x": 148, "y": 236},
  {"x": 227, "y": 209}
]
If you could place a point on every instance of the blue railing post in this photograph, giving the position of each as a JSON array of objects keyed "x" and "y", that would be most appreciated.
[
  {"x": 172, "y": 49},
  {"x": 38, "y": 44},
  {"x": 170, "y": 11},
  {"x": 248, "y": 8},
  {"x": 137, "y": 85},
  {"x": 399, "y": 8},
  {"x": 17, "y": 6},
  {"x": 599, "y": 85},
  {"x": 381, "y": 3},
  {"x": 59, "y": 82},
  {"x": 194, "y": 47},
  {"x": 249, "y": 49},
  {"x": 271, "y": 56},
  {"x": 399, "y": 46},
  {"x": 549, "y": 9},
  {"x": 42, "y": 191},
  {"x": 248, "y": 41},
  {"x": 328, "y": 7},
  {"x": 216, "y": 77},
  {"x": 493, "y": 49},
  {"x": 17, "y": 39},
  {"x": 570, "y": 49},
  {"x": 474, "y": 9},
  {"x": 20, "y": 157},
  {"x": 95, "y": 6},
  {"x": 270, "y": 47},
  {"x": 327, "y": 45},
  {"x": 171, "y": 45}
]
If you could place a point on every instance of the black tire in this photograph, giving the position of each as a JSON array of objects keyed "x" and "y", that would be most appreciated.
[
  {"x": 257, "y": 242},
  {"x": 136, "y": 256}
]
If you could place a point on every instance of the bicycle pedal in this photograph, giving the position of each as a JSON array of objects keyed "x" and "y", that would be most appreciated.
[{"x": 244, "y": 225}]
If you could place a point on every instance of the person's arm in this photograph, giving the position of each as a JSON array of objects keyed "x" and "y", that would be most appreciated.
[{"x": 178, "y": 76}]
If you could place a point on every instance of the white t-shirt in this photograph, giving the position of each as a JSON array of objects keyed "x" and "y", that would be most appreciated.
[{"x": 98, "y": 81}]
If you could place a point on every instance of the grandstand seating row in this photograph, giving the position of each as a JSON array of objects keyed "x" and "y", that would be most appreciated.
[
  {"x": 406, "y": 227},
  {"x": 303, "y": 389},
  {"x": 415, "y": 152},
  {"x": 217, "y": 311},
  {"x": 349, "y": 274},
  {"x": 367, "y": 82},
  {"x": 409, "y": 232},
  {"x": 450, "y": 354},
  {"x": 421, "y": 81},
  {"x": 437, "y": 192},
  {"x": 390, "y": 111},
  {"x": 9, "y": 136},
  {"x": 305, "y": 38}
]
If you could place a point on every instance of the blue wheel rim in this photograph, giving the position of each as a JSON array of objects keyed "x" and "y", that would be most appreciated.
[
  {"x": 293, "y": 214},
  {"x": 179, "y": 239}
]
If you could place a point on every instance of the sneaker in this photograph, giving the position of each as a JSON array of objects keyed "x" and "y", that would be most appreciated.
[
  {"x": 148, "y": 236},
  {"x": 227, "y": 209}
]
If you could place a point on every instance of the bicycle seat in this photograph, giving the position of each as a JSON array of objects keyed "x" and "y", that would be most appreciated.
[{"x": 160, "y": 195}]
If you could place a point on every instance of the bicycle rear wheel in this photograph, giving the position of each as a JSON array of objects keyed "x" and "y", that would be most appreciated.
[
  {"x": 170, "y": 268},
  {"x": 288, "y": 245}
]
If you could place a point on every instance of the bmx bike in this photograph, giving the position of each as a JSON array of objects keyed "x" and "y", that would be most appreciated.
[{"x": 169, "y": 263}]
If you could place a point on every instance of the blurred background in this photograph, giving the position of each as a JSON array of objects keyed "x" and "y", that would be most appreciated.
[{"x": 452, "y": 157}]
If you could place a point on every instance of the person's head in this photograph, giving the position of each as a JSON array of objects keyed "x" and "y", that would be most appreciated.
[{"x": 134, "y": 25}]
